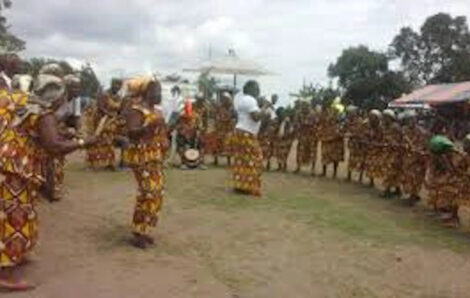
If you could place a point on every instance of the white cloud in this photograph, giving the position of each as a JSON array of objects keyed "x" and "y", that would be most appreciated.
[{"x": 296, "y": 39}]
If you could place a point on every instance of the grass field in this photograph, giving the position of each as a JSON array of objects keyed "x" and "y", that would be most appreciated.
[{"x": 306, "y": 237}]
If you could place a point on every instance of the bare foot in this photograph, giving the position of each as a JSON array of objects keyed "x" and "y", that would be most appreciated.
[
  {"x": 150, "y": 240},
  {"x": 139, "y": 241},
  {"x": 15, "y": 286},
  {"x": 9, "y": 282}
]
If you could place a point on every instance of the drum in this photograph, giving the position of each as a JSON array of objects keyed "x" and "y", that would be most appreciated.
[{"x": 192, "y": 158}]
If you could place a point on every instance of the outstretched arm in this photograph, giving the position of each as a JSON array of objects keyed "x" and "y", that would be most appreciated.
[{"x": 52, "y": 141}]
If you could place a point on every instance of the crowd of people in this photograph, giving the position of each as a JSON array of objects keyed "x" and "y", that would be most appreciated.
[{"x": 38, "y": 130}]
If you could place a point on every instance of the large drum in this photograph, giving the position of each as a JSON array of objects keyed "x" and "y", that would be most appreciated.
[{"x": 192, "y": 158}]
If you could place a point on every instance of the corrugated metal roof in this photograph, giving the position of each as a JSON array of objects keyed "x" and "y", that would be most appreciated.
[{"x": 437, "y": 94}]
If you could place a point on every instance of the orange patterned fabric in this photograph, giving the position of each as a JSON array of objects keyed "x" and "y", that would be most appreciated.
[
  {"x": 247, "y": 164},
  {"x": 18, "y": 221},
  {"x": 444, "y": 182},
  {"x": 414, "y": 161},
  {"x": 22, "y": 163},
  {"x": 391, "y": 156},
  {"x": 355, "y": 128},
  {"x": 151, "y": 149},
  {"x": 225, "y": 125},
  {"x": 149, "y": 201},
  {"x": 307, "y": 136},
  {"x": 20, "y": 153},
  {"x": 146, "y": 160},
  {"x": 283, "y": 143},
  {"x": 103, "y": 153},
  {"x": 331, "y": 138},
  {"x": 372, "y": 146}
]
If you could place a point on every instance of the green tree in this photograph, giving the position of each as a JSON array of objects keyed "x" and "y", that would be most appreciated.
[
  {"x": 439, "y": 53},
  {"x": 318, "y": 95},
  {"x": 365, "y": 79},
  {"x": 9, "y": 43}
]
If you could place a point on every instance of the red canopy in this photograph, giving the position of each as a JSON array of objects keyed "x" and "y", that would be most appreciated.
[{"x": 435, "y": 95}]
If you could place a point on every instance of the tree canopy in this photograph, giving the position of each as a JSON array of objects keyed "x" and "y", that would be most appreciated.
[
  {"x": 365, "y": 78},
  {"x": 438, "y": 53},
  {"x": 318, "y": 95},
  {"x": 9, "y": 43}
]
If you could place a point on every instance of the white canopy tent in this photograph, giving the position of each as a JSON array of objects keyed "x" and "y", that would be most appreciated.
[{"x": 230, "y": 64}]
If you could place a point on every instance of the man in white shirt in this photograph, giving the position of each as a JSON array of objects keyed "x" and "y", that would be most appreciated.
[{"x": 245, "y": 148}]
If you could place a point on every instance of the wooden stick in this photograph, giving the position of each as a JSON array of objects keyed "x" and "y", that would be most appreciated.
[{"x": 101, "y": 125}]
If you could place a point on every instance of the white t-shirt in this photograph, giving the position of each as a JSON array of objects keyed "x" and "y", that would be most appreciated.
[
  {"x": 244, "y": 106},
  {"x": 171, "y": 107}
]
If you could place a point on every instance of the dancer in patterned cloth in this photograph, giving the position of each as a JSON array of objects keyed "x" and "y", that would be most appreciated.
[
  {"x": 245, "y": 149},
  {"x": 29, "y": 138},
  {"x": 391, "y": 154},
  {"x": 284, "y": 138},
  {"x": 464, "y": 173},
  {"x": 372, "y": 145},
  {"x": 265, "y": 139},
  {"x": 443, "y": 184},
  {"x": 332, "y": 140},
  {"x": 148, "y": 146},
  {"x": 354, "y": 128},
  {"x": 202, "y": 111},
  {"x": 225, "y": 124},
  {"x": 415, "y": 140},
  {"x": 306, "y": 137},
  {"x": 54, "y": 186},
  {"x": 103, "y": 154}
]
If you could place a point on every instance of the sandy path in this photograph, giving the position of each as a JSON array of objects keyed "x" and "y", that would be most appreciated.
[{"x": 212, "y": 244}]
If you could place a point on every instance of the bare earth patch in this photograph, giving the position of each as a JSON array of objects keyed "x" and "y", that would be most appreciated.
[{"x": 306, "y": 237}]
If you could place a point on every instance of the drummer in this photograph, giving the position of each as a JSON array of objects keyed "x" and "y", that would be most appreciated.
[{"x": 189, "y": 134}]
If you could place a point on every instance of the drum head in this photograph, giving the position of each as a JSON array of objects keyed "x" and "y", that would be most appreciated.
[{"x": 192, "y": 155}]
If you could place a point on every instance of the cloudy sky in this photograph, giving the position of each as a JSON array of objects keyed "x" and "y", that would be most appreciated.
[{"x": 296, "y": 39}]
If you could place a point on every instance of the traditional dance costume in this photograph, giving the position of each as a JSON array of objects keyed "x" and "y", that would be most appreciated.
[
  {"x": 145, "y": 156},
  {"x": 245, "y": 149},
  {"x": 22, "y": 164}
]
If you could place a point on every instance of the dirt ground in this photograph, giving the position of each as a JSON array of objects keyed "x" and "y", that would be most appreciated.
[{"x": 306, "y": 237}]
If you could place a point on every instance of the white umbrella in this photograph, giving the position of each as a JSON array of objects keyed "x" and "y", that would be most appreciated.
[{"x": 230, "y": 64}]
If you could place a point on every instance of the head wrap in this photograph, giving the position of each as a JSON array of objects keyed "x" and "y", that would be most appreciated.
[
  {"x": 351, "y": 109},
  {"x": 72, "y": 80},
  {"x": 42, "y": 87},
  {"x": 401, "y": 116},
  {"x": 409, "y": 114},
  {"x": 375, "y": 113},
  {"x": 389, "y": 113},
  {"x": 136, "y": 86},
  {"x": 466, "y": 141},
  {"x": 22, "y": 82},
  {"x": 52, "y": 69}
]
